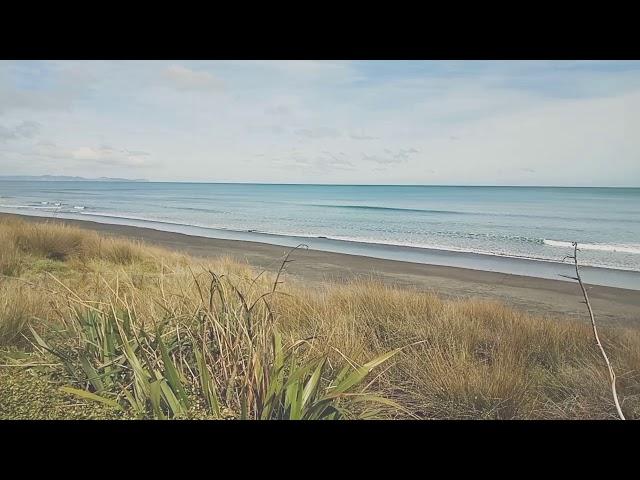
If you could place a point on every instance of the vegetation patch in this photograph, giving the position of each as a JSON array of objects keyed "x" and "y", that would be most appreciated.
[{"x": 116, "y": 329}]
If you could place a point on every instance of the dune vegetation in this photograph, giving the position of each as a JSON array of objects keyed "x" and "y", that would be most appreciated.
[{"x": 101, "y": 327}]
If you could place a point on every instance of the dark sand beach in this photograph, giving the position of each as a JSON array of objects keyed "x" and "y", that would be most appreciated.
[{"x": 613, "y": 306}]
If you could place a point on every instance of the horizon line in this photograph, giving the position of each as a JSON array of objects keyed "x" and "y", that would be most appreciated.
[
  {"x": 382, "y": 184},
  {"x": 144, "y": 180}
]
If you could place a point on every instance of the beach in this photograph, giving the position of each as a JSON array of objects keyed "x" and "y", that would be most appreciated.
[
  {"x": 545, "y": 297},
  {"x": 319, "y": 240}
]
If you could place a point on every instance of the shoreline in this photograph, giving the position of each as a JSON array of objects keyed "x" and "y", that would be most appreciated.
[
  {"x": 613, "y": 306},
  {"x": 480, "y": 261}
]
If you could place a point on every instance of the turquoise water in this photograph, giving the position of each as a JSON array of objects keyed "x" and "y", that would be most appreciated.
[{"x": 523, "y": 222}]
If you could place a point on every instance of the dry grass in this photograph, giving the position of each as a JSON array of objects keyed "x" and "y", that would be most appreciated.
[
  {"x": 10, "y": 257},
  {"x": 61, "y": 242},
  {"x": 19, "y": 304},
  {"x": 477, "y": 359},
  {"x": 461, "y": 359}
]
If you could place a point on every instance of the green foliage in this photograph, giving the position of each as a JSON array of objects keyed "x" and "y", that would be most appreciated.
[
  {"x": 295, "y": 392},
  {"x": 47, "y": 265},
  {"x": 231, "y": 365}
]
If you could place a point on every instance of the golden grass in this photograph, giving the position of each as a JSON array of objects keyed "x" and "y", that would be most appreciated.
[
  {"x": 10, "y": 257},
  {"x": 461, "y": 358},
  {"x": 61, "y": 242},
  {"x": 477, "y": 359},
  {"x": 19, "y": 304}
]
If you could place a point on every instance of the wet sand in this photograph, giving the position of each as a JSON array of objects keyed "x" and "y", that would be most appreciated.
[{"x": 612, "y": 306}]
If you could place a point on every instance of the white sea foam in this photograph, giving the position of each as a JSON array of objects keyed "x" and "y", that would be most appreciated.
[
  {"x": 614, "y": 248},
  {"x": 35, "y": 207},
  {"x": 621, "y": 248},
  {"x": 601, "y": 247}
]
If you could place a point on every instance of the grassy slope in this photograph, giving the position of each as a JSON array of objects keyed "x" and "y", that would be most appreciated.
[{"x": 461, "y": 359}]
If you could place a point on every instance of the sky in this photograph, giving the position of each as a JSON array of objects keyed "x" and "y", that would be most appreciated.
[{"x": 354, "y": 122}]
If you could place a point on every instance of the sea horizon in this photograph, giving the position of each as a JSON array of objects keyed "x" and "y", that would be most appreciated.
[{"x": 7, "y": 178}]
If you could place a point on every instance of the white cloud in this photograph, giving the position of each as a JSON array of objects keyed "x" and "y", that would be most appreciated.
[
  {"x": 580, "y": 142},
  {"x": 100, "y": 156},
  {"x": 386, "y": 122},
  {"x": 184, "y": 78},
  {"x": 314, "y": 164},
  {"x": 390, "y": 157},
  {"x": 314, "y": 70},
  {"x": 277, "y": 110},
  {"x": 359, "y": 135},
  {"x": 110, "y": 156},
  {"x": 318, "y": 132}
]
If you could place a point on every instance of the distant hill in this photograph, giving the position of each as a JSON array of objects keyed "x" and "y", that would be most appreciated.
[{"x": 64, "y": 178}]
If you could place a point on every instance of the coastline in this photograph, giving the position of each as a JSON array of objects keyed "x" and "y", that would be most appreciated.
[
  {"x": 545, "y": 268},
  {"x": 613, "y": 306}
]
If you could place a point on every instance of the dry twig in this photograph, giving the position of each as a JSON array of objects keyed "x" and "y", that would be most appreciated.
[{"x": 612, "y": 374}]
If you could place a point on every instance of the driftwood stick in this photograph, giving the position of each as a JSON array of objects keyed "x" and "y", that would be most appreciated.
[{"x": 612, "y": 374}]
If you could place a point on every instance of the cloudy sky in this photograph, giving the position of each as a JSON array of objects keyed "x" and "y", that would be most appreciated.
[{"x": 495, "y": 123}]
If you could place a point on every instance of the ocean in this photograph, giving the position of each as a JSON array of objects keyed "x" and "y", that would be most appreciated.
[{"x": 476, "y": 227}]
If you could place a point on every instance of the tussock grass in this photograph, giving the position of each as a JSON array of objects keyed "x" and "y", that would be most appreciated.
[
  {"x": 59, "y": 242},
  {"x": 19, "y": 305},
  {"x": 10, "y": 257},
  {"x": 160, "y": 335}
]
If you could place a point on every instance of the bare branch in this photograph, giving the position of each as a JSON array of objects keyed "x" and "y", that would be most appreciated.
[
  {"x": 568, "y": 276},
  {"x": 612, "y": 374}
]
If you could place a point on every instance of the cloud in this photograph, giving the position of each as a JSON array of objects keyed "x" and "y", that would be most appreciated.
[
  {"x": 49, "y": 149},
  {"x": 318, "y": 133},
  {"x": 362, "y": 137},
  {"x": 57, "y": 85},
  {"x": 265, "y": 129},
  {"x": 110, "y": 156},
  {"x": 581, "y": 142},
  {"x": 6, "y": 133},
  {"x": 358, "y": 135},
  {"x": 102, "y": 155},
  {"x": 392, "y": 157},
  {"x": 277, "y": 110},
  {"x": 26, "y": 129},
  {"x": 333, "y": 162},
  {"x": 473, "y": 122},
  {"x": 381, "y": 160},
  {"x": 183, "y": 78},
  {"x": 316, "y": 71},
  {"x": 318, "y": 163}
]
